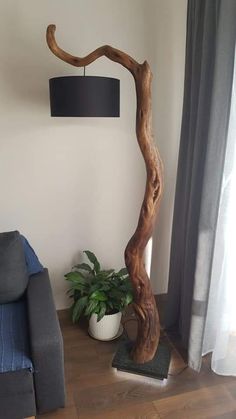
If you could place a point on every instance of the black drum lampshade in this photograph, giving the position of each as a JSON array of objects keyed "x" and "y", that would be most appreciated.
[{"x": 85, "y": 96}]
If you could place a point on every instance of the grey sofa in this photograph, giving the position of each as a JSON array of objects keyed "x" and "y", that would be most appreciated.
[{"x": 26, "y": 390}]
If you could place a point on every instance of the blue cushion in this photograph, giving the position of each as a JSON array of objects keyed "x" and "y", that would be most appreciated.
[
  {"x": 14, "y": 342},
  {"x": 32, "y": 262}
]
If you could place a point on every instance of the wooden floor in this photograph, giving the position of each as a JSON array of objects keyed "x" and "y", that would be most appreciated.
[{"x": 96, "y": 390}]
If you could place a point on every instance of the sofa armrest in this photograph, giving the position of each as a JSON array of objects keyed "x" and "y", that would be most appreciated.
[{"x": 46, "y": 344}]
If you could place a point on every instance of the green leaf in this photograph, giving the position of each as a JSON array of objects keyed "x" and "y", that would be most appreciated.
[
  {"x": 78, "y": 294},
  {"x": 91, "y": 307},
  {"x": 76, "y": 288},
  {"x": 126, "y": 287},
  {"x": 106, "y": 274},
  {"x": 99, "y": 296},
  {"x": 128, "y": 298},
  {"x": 115, "y": 282},
  {"x": 105, "y": 287},
  {"x": 116, "y": 293},
  {"x": 92, "y": 258},
  {"x": 69, "y": 291},
  {"x": 95, "y": 287},
  {"x": 83, "y": 266},
  {"x": 78, "y": 308},
  {"x": 75, "y": 277},
  {"x": 79, "y": 287},
  {"x": 122, "y": 272},
  {"x": 102, "y": 311}
]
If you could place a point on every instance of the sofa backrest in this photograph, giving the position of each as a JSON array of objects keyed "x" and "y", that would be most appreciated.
[{"x": 13, "y": 271}]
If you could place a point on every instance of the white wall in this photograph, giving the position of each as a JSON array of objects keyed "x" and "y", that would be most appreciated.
[
  {"x": 167, "y": 21},
  {"x": 73, "y": 184}
]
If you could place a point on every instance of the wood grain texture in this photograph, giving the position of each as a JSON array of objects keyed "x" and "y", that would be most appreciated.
[
  {"x": 205, "y": 402},
  {"x": 96, "y": 390},
  {"x": 144, "y": 303}
]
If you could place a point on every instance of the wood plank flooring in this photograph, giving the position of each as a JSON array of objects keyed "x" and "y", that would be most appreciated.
[{"x": 96, "y": 390}]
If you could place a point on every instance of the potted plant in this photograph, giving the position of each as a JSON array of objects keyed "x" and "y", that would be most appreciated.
[{"x": 100, "y": 295}]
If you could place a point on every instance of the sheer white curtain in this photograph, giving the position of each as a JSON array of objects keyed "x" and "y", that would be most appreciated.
[{"x": 220, "y": 327}]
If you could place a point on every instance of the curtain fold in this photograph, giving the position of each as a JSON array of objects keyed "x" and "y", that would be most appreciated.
[
  {"x": 209, "y": 67},
  {"x": 220, "y": 326}
]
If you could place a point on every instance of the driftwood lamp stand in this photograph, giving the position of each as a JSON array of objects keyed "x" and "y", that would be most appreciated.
[{"x": 144, "y": 351}]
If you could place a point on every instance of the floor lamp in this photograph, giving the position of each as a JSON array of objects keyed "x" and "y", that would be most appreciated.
[{"x": 99, "y": 96}]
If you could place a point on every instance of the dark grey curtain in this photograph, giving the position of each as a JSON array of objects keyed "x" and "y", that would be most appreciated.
[{"x": 210, "y": 49}]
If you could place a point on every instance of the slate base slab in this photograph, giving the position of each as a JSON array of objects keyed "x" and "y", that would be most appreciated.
[{"x": 156, "y": 368}]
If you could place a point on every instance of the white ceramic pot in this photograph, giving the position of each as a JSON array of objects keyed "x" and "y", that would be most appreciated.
[{"x": 107, "y": 328}]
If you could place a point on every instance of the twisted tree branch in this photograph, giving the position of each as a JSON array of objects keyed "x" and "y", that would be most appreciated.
[
  {"x": 106, "y": 50},
  {"x": 144, "y": 304}
]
